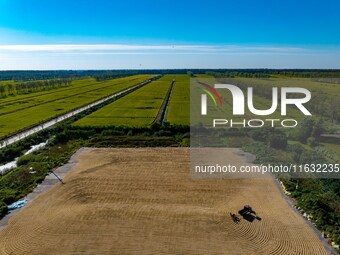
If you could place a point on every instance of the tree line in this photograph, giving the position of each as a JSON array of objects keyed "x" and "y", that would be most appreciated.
[
  {"x": 12, "y": 89},
  {"x": 62, "y": 74},
  {"x": 267, "y": 73}
]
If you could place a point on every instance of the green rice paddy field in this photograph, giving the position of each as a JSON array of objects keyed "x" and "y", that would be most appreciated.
[
  {"x": 141, "y": 107},
  {"x": 179, "y": 107},
  {"x": 138, "y": 108},
  {"x": 22, "y": 111}
]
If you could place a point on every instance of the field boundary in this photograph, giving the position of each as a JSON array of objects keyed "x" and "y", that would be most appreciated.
[
  {"x": 161, "y": 115},
  {"x": 329, "y": 248}
]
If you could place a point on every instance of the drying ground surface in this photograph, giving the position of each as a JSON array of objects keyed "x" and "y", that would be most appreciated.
[{"x": 143, "y": 201}]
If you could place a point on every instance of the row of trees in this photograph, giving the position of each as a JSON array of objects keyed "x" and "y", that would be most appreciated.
[
  {"x": 110, "y": 76},
  {"x": 41, "y": 75},
  {"x": 76, "y": 74},
  {"x": 263, "y": 73},
  {"x": 325, "y": 105},
  {"x": 13, "y": 89},
  {"x": 234, "y": 74},
  {"x": 308, "y": 131},
  {"x": 62, "y": 74}
]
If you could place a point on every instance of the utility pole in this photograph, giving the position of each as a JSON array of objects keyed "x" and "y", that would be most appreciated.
[{"x": 51, "y": 171}]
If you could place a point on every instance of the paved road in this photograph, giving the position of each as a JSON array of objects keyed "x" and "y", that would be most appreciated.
[{"x": 49, "y": 181}]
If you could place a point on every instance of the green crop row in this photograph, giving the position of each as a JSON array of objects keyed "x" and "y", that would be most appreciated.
[{"x": 179, "y": 106}]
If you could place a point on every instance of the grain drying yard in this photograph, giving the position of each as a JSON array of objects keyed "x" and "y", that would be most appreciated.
[{"x": 143, "y": 201}]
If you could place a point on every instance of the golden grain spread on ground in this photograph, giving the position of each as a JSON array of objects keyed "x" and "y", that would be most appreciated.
[{"x": 143, "y": 201}]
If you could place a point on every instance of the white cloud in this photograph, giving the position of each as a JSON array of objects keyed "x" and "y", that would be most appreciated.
[
  {"x": 142, "y": 48},
  {"x": 127, "y": 56}
]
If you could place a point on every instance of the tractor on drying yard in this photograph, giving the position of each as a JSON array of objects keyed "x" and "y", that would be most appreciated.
[
  {"x": 247, "y": 210},
  {"x": 249, "y": 214}
]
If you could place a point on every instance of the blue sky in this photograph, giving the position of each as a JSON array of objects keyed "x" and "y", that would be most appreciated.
[{"x": 101, "y": 34}]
